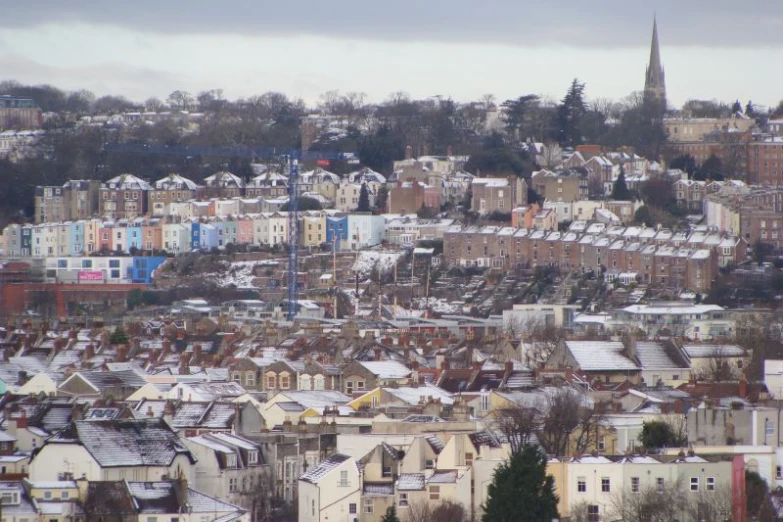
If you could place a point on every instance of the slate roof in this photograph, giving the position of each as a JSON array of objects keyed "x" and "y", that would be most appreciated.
[
  {"x": 377, "y": 489},
  {"x": 422, "y": 418},
  {"x": 25, "y": 506},
  {"x": 443, "y": 477},
  {"x": 317, "y": 398},
  {"x": 654, "y": 356},
  {"x": 412, "y": 395},
  {"x": 214, "y": 415},
  {"x": 317, "y": 473},
  {"x": 387, "y": 369},
  {"x": 105, "y": 380},
  {"x": 435, "y": 443},
  {"x": 485, "y": 438},
  {"x": 600, "y": 356},
  {"x": 128, "y": 442},
  {"x": 712, "y": 350},
  {"x": 410, "y": 482},
  {"x": 215, "y": 390}
]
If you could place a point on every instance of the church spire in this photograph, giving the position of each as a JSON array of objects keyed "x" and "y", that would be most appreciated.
[{"x": 655, "y": 81}]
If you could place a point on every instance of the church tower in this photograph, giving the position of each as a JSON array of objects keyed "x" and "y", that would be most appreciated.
[{"x": 655, "y": 80}]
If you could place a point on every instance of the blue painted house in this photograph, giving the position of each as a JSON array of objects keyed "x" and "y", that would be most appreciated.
[
  {"x": 209, "y": 236},
  {"x": 77, "y": 238},
  {"x": 135, "y": 237},
  {"x": 141, "y": 269},
  {"x": 27, "y": 240},
  {"x": 195, "y": 236},
  {"x": 337, "y": 228}
]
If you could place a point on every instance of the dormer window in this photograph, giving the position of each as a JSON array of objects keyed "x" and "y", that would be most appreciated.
[
  {"x": 252, "y": 457},
  {"x": 9, "y": 498},
  {"x": 231, "y": 461}
]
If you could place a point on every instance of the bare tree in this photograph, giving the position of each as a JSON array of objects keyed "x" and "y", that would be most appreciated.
[
  {"x": 154, "y": 104},
  {"x": 445, "y": 511},
  {"x": 181, "y": 100},
  {"x": 709, "y": 505},
  {"x": 579, "y": 512},
  {"x": 541, "y": 338},
  {"x": 420, "y": 511},
  {"x": 256, "y": 494},
  {"x": 649, "y": 504},
  {"x": 517, "y": 424},
  {"x": 552, "y": 156},
  {"x": 718, "y": 368},
  {"x": 570, "y": 417}
]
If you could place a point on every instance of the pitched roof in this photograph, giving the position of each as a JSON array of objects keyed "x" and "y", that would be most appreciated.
[
  {"x": 387, "y": 369},
  {"x": 127, "y": 442},
  {"x": 317, "y": 473},
  {"x": 410, "y": 482},
  {"x": 600, "y": 356}
]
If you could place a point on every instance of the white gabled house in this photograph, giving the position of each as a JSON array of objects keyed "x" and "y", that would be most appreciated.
[
  {"x": 331, "y": 491},
  {"x": 127, "y": 449}
]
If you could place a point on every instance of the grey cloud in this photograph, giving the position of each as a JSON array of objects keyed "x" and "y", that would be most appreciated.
[
  {"x": 108, "y": 78},
  {"x": 605, "y": 23}
]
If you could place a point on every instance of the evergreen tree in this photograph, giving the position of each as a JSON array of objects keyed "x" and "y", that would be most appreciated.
[
  {"x": 521, "y": 490},
  {"x": 750, "y": 110},
  {"x": 364, "y": 199},
  {"x": 737, "y": 107},
  {"x": 620, "y": 190},
  {"x": 119, "y": 336},
  {"x": 391, "y": 515},
  {"x": 570, "y": 113}
]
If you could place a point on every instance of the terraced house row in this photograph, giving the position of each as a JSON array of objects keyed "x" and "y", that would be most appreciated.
[
  {"x": 175, "y": 235},
  {"x": 648, "y": 255}
]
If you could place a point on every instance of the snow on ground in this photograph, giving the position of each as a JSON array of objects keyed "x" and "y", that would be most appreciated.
[
  {"x": 440, "y": 306},
  {"x": 369, "y": 259},
  {"x": 238, "y": 273}
]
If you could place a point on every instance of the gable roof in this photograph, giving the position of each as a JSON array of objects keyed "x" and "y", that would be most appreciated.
[
  {"x": 600, "y": 356},
  {"x": 324, "y": 468},
  {"x": 387, "y": 369},
  {"x": 127, "y": 442}
]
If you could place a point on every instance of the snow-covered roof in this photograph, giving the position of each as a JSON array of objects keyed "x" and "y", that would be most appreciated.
[
  {"x": 491, "y": 182},
  {"x": 366, "y": 175},
  {"x": 127, "y": 442},
  {"x": 672, "y": 309},
  {"x": 387, "y": 369},
  {"x": 127, "y": 182},
  {"x": 224, "y": 179},
  {"x": 315, "y": 474},
  {"x": 713, "y": 350},
  {"x": 413, "y": 396},
  {"x": 600, "y": 355},
  {"x": 175, "y": 182}
]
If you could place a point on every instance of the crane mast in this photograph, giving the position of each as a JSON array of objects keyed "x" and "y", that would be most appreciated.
[{"x": 293, "y": 238}]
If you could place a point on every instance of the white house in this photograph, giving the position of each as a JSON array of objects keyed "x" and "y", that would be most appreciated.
[
  {"x": 129, "y": 449},
  {"x": 229, "y": 467},
  {"x": 331, "y": 491},
  {"x": 365, "y": 230}
]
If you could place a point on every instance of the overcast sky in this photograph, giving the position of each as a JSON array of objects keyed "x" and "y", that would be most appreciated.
[{"x": 719, "y": 49}]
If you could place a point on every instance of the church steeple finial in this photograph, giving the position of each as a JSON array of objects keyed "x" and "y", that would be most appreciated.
[{"x": 655, "y": 81}]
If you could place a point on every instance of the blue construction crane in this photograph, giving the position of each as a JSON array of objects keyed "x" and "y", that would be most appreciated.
[
  {"x": 290, "y": 157},
  {"x": 293, "y": 238}
]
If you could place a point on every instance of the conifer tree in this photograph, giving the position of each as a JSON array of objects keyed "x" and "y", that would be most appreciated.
[
  {"x": 620, "y": 190},
  {"x": 391, "y": 515},
  {"x": 364, "y": 199},
  {"x": 521, "y": 490}
]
